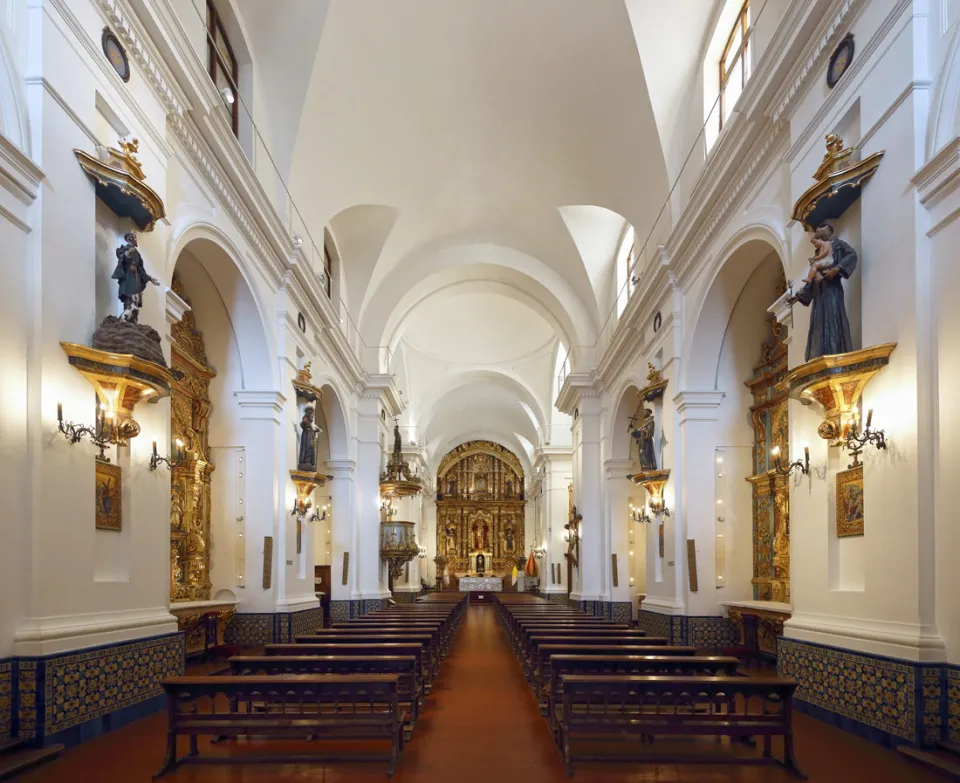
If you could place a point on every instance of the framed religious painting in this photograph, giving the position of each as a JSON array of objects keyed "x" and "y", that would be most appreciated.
[
  {"x": 108, "y": 512},
  {"x": 850, "y": 502}
]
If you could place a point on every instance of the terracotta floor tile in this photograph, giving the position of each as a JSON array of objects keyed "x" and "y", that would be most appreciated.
[{"x": 480, "y": 725}]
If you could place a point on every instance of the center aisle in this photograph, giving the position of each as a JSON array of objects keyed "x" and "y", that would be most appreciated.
[{"x": 483, "y": 724}]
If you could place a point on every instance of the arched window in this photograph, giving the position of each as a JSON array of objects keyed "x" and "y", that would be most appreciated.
[
  {"x": 626, "y": 257},
  {"x": 222, "y": 63}
]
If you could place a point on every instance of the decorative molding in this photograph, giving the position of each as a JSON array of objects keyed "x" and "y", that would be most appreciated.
[
  {"x": 907, "y": 641},
  {"x": 176, "y": 307},
  {"x": 698, "y": 405},
  {"x": 18, "y": 174},
  {"x": 939, "y": 177},
  {"x": 260, "y": 404},
  {"x": 49, "y": 635}
]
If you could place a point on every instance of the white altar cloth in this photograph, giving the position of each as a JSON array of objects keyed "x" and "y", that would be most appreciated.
[{"x": 480, "y": 584}]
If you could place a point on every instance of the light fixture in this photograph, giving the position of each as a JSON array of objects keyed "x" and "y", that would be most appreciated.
[
  {"x": 855, "y": 441},
  {"x": 637, "y": 514},
  {"x": 322, "y": 516},
  {"x": 102, "y": 434},
  {"x": 802, "y": 465},
  {"x": 175, "y": 461},
  {"x": 228, "y": 97}
]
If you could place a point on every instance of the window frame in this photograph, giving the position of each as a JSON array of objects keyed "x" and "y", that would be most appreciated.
[
  {"x": 216, "y": 62},
  {"x": 742, "y": 26},
  {"x": 327, "y": 268}
]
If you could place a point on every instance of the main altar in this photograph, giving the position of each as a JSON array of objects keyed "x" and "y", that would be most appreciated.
[{"x": 480, "y": 584}]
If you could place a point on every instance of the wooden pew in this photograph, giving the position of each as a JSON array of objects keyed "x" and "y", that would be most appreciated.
[
  {"x": 575, "y": 632},
  {"x": 342, "y": 707},
  {"x": 354, "y": 648},
  {"x": 685, "y": 665},
  {"x": 611, "y": 707},
  {"x": 549, "y": 646},
  {"x": 440, "y": 639},
  {"x": 409, "y": 691},
  {"x": 430, "y": 657}
]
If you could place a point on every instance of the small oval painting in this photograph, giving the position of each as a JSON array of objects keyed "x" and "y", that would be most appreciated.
[
  {"x": 116, "y": 54},
  {"x": 840, "y": 61}
]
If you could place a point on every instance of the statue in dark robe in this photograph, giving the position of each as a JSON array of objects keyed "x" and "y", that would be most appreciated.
[
  {"x": 132, "y": 278},
  {"x": 481, "y": 563},
  {"x": 397, "y": 444},
  {"x": 307, "y": 456},
  {"x": 829, "y": 331},
  {"x": 644, "y": 435}
]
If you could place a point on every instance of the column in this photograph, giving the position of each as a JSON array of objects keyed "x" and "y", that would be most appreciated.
[
  {"x": 693, "y": 511},
  {"x": 617, "y": 488},
  {"x": 557, "y": 468},
  {"x": 593, "y": 572},
  {"x": 342, "y": 498},
  {"x": 370, "y": 581}
]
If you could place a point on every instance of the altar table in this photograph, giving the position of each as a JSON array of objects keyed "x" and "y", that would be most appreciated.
[{"x": 481, "y": 584}]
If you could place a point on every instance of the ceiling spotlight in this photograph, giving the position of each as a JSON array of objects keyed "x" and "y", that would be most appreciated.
[{"x": 228, "y": 97}]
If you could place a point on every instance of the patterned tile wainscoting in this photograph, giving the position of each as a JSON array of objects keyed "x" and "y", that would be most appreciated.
[
  {"x": 557, "y": 598},
  {"x": 6, "y": 699},
  {"x": 951, "y": 708},
  {"x": 887, "y": 700},
  {"x": 256, "y": 630},
  {"x": 406, "y": 597},
  {"x": 654, "y": 623},
  {"x": 73, "y": 697},
  {"x": 341, "y": 611}
]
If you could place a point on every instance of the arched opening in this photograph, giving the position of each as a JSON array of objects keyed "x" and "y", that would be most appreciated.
[
  {"x": 738, "y": 349},
  {"x": 219, "y": 352},
  {"x": 480, "y": 512}
]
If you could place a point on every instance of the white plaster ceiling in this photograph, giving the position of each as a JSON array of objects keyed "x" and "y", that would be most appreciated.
[{"x": 476, "y": 161}]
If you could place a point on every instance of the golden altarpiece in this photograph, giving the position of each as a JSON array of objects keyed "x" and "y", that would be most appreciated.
[
  {"x": 771, "y": 495},
  {"x": 480, "y": 508},
  {"x": 190, "y": 486}
]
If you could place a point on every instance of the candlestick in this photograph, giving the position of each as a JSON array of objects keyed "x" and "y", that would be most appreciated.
[
  {"x": 806, "y": 452},
  {"x": 869, "y": 417},
  {"x": 60, "y": 412},
  {"x": 154, "y": 448}
]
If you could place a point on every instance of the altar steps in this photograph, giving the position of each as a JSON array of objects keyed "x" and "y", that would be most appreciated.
[
  {"x": 16, "y": 759},
  {"x": 944, "y": 759}
]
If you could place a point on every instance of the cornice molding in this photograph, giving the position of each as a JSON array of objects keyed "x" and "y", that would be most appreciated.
[
  {"x": 176, "y": 307},
  {"x": 19, "y": 175},
  {"x": 698, "y": 405},
  {"x": 938, "y": 177},
  {"x": 260, "y": 404}
]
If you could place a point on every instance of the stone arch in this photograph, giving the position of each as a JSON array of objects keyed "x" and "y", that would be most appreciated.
[
  {"x": 220, "y": 258},
  {"x": 14, "y": 122},
  {"x": 627, "y": 403},
  {"x": 334, "y": 413},
  {"x": 725, "y": 280}
]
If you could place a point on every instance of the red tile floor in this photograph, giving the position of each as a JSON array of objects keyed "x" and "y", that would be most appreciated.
[{"x": 480, "y": 724}]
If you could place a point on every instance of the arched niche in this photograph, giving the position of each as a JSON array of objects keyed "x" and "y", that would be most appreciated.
[{"x": 221, "y": 350}]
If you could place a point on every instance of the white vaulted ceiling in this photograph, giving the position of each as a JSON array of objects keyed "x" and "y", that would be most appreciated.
[{"x": 476, "y": 162}]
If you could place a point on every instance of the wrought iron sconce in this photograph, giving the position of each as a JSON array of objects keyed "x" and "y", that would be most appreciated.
[
  {"x": 855, "y": 441},
  {"x": 387, "y": 509},
  {"x": 175, "y": 461},
  {"x": 102, "y": 434},
  {"x": 803, "y": 465},
  {"x": 422, "y": 554},
  {"x": 539, "y": 552},
  {"x": 638, "y": 515}
]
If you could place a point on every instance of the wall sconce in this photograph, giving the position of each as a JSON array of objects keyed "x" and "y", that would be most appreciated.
[
  {"x": 228, "y": 97},
  {"x": 387, "y": 509},
  {"x": 102, "y": 434},
  {"x": 638, "y": 514},
  {"x": 175, "y": 461},
  {"x": 802, "y": 465},
  {"x": 855, "y": 441},
  {"x": 322, "y": 516},
  {"x": 422, "y": 553}
]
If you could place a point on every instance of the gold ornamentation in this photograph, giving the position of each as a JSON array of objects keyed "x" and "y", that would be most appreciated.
[
  {"x": 480, "y": 492},
  {"x": 836, "y": 383},
  {"x": 838, "y": 184},
  {"x": 655, "y": 384},
  {"x": 190, "y": 482},
  {"x": 108, "y": 514},
  {"x": 119, "y": 180},
  {"x": 850, "y": 502}
]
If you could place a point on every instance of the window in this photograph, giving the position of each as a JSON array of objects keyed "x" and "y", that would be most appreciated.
[
  {"x": 626, "y": 257},
  {"x": 327, "y": 266},
  {"x": 735, "y": 63},
  {"x": 223, "y": 65}
]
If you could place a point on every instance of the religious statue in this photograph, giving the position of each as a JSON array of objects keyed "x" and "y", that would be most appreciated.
[
  {"x": 132, "y": 278},
  {"x": 481, "y": 563},
  {"x": 452, "y": 487},
  {"x": 451, "y": 540},
  {"x": 644, "y": 435},
  {"x": 508, "y": 537},
  {"x": 829, "y": 331},
  {"x": 397, "y": 444},
  {"x": 307, "y": 457}
]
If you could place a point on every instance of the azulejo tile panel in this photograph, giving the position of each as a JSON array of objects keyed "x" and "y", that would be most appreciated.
[
  {"x": 621, "y": 611},
  {"x": 711, "y": 633},
  {"x": 339, "y": 611},
  {"x": 90, "y": 684},
  {"x": 306, "y": 622},
  {"x": 6, "y": 699},
  {"x": 26, "y": 699},
  {"x": 932, "y": 698},
  {"x": 876, "y": 692},
  {"x": 250, "y": 630},
  {"x": 953, "y": 704},
  {"x": 654, "y": 623}
]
